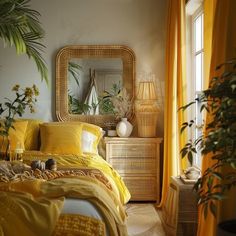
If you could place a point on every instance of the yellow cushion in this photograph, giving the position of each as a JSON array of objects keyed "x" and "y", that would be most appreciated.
[
  {"x": 17, "y": 135},
  {"x": 60, "y": 138},
  {"x": 32, "y": 138}
]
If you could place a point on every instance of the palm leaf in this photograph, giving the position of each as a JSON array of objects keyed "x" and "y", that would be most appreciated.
[
  {"x": 20, "y": 26},
  {"x": 74, "y": 69}
]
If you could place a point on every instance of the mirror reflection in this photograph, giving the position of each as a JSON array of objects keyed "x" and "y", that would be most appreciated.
[{"x": 92, "y": 82}]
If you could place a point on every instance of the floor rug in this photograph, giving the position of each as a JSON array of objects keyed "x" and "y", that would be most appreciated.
[{"x": 143, "y": 220}]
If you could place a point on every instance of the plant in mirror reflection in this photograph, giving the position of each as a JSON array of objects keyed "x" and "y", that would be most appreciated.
[
  {"x": 114, "y": 102},
  {"x": 74, "y": 70},
  {"x": 106, "y": 105},
  {"x": 122, "y": 105},
  {"x": 76, "y": 106}
]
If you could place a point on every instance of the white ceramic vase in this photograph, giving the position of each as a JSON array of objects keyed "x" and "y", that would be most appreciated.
[{"x": 124, "y": 128}]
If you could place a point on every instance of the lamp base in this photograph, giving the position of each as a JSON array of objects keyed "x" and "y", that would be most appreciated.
[{"x": 147, "y": 124}]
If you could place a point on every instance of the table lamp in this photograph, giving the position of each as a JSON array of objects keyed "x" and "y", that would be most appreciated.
[{"x": 146, "y": 109}]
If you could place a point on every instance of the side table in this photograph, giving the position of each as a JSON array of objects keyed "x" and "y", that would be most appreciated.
[{"x": 179, "y": 214}]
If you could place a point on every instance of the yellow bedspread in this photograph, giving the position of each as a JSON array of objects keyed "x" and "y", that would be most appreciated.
[
  {"x": 32, "y": 207},
  {"x": 86, "y": 160}
]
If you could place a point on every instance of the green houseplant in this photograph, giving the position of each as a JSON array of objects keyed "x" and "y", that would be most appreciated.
[
  {"x": 25, "y": 98},
  {"x": 20, "y": 26},
  {"x": 218, "y": 141}
]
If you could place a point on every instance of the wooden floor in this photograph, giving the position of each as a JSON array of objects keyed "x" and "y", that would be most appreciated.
[{"x": 143, "y": 220}]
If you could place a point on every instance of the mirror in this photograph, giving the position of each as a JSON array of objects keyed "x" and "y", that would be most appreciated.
[
  {"x": 92, "y": 83},
  {"x": 86, "y": 76}
]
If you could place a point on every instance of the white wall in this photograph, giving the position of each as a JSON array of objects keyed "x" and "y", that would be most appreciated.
[{"x": 139, "y": 24}]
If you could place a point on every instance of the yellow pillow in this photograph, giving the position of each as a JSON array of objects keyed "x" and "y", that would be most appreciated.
[
  {"x": 17, "y": 135},
  {"x": 32, "y": 138},
  {"x": 60, "y": 138},
  {"x": 90, "y": 137}
]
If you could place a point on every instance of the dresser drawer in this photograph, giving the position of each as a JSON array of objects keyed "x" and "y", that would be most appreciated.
[
  {"x": 142, "y": 188},
  {"x": 133, "y": 150},
  {"x": 134, "y": 166},
  {"x": 137, "y": 160}
]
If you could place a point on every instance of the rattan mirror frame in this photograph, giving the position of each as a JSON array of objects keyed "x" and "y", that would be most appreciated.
[{"x": 90, "y": 51}]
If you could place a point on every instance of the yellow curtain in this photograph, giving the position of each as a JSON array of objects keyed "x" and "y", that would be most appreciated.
[
  {"x": 219, "y": 45},
  {"x": 175, "y": 89}
]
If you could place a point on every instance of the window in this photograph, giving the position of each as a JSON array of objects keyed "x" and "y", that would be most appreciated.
[
  {"x": 195, "y": 54},
  {"x": 198, "y": 53}
]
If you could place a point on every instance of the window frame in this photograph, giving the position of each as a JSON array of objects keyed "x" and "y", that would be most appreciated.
[{"x": 192, "y": 92}]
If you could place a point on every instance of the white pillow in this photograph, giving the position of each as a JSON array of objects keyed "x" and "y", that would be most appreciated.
[{"x": 90, "y": 141}]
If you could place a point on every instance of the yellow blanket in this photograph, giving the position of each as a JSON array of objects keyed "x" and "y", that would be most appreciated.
[
  {"x": 73, "y": 225},
  {"x": 34, "y": 210},
  {"x": 86, "y": 160}
]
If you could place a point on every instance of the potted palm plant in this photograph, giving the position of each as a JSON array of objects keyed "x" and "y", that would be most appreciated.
[{"x": 218, "y": 141}]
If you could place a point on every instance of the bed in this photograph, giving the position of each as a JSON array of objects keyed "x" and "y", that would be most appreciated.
[{"x": 84, "y": 195}]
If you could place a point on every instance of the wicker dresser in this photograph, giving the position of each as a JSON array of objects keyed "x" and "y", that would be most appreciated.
[
  {"x": 179, "y": 213},
  {"x": 138, "y": 162}
]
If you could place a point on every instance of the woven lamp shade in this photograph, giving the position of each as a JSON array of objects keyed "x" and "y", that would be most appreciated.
[
  {"x": 147, "y": 124},
  {"x": 146, "y": 110},
  {"x": 146, "y": 91}
]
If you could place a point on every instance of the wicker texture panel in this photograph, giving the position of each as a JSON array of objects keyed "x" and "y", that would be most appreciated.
[
  {"x": 142, "y": 188},
  {"x": 184, "y": 209},
  {"x": 137, "y": 161},
  {"x": 134, "y": 150},
  {"x": 136, "y": 166}
]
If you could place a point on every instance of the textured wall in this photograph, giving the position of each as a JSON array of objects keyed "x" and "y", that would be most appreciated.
[{"x": 139, "y": 24}]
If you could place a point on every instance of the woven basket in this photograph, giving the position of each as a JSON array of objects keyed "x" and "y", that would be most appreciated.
[{"x": 147, "y": 124}]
